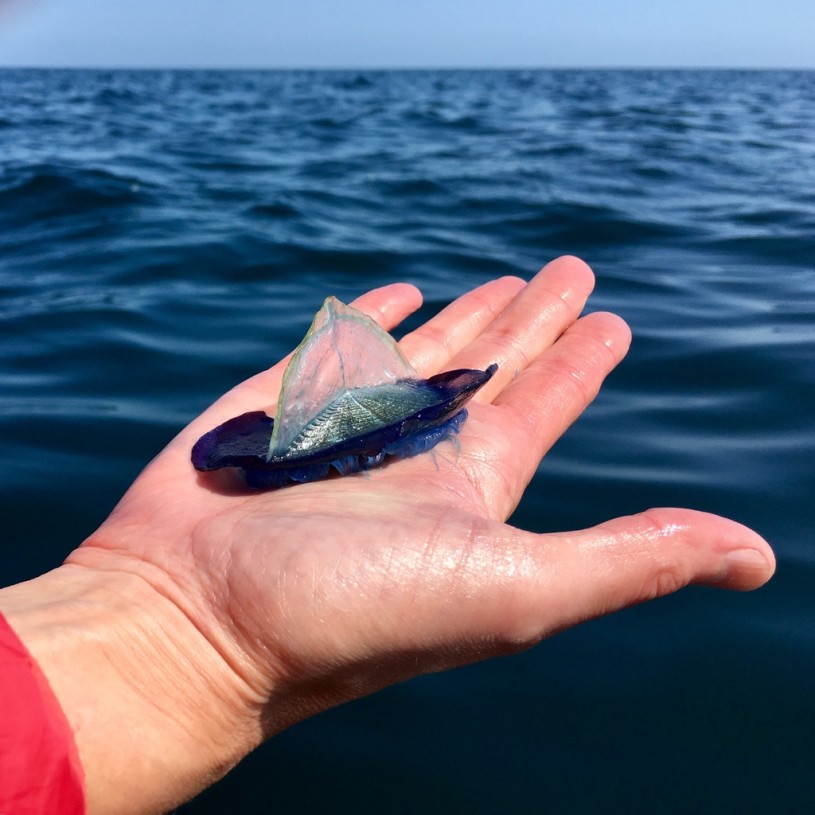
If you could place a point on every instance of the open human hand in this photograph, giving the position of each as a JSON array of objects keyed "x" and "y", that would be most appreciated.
[{"x": 236, "y": 613}]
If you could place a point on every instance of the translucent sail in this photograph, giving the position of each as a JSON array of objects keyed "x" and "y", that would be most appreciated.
[{"x": 327, "y": 389}]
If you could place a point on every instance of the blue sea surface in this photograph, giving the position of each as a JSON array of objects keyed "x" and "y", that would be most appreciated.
[{"x": 165, "y": 234}]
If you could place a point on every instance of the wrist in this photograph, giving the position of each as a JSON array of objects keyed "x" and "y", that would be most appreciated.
[{"x": 156, "y": 713}]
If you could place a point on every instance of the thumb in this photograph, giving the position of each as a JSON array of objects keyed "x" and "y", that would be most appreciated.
[{"x": 581, "y": 575}]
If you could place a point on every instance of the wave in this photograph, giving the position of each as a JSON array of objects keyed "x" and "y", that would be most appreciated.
[{"x": 56, "y": 191}]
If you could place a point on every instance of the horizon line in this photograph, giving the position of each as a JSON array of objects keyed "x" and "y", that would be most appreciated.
[{"x": 405, "y": 68}]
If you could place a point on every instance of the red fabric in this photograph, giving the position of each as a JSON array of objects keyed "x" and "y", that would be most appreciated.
[{"x": 40, "y": 773}]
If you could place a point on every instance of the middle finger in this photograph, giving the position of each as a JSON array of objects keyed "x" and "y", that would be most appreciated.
[{"x": 530, "y": 324}]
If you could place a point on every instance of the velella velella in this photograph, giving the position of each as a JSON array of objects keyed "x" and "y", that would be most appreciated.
[{"x": 349, "y": 399}]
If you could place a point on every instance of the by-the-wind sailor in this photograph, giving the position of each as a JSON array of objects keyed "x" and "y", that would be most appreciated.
[{"x": 348, "y": 399}]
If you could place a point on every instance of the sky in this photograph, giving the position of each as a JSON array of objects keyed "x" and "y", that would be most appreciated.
[{"x": 407, "y": 33}]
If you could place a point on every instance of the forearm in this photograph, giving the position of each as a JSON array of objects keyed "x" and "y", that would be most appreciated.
[{"x": 152, "y": 706}]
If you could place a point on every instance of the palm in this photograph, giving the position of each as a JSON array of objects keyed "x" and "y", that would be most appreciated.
[{"x": 409, "y": 566}]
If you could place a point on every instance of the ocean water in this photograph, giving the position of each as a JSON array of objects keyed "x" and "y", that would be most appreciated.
[{"x": 165, "y": 234}]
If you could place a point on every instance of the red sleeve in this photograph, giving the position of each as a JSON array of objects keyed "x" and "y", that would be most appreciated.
[{"x": 40, "y": 771}]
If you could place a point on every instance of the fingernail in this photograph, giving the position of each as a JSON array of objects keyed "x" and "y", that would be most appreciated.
[{"x": 745, "y": 561}]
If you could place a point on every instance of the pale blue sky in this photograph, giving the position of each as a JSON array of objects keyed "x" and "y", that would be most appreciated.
[{"x": 407, "y": 33}]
